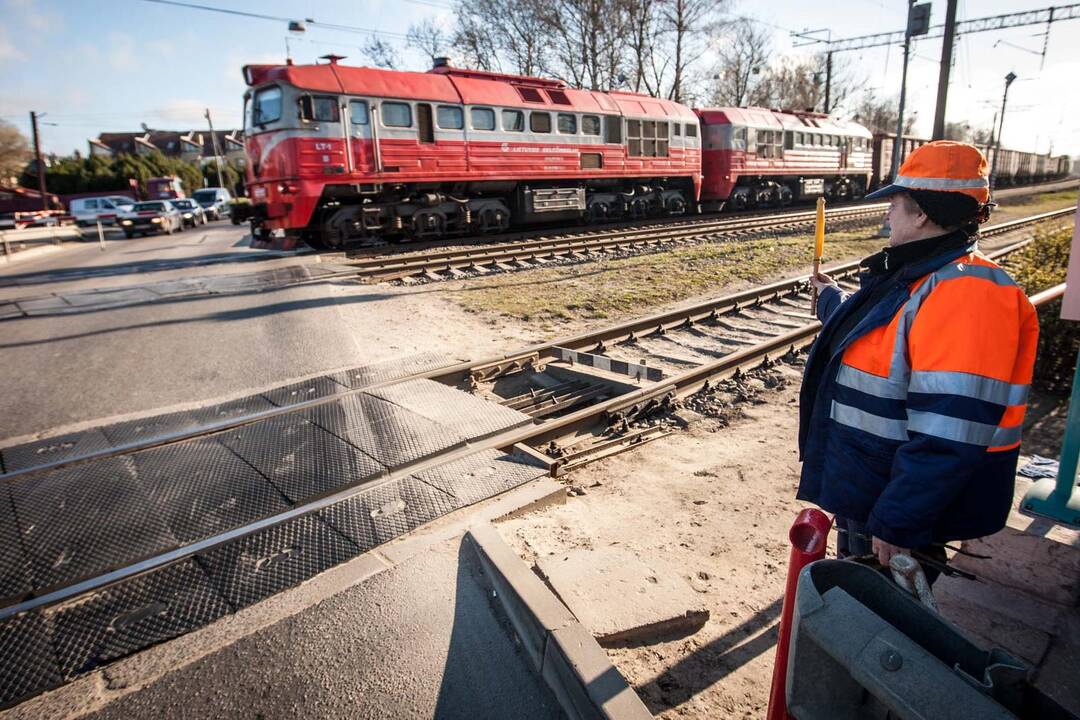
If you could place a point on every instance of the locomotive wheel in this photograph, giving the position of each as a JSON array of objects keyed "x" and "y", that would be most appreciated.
[{"x": 598, "y": 212}]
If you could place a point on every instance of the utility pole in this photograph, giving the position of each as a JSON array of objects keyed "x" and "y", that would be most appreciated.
[
  {"x": 918, "y": 23},
  {"x": 217, "y": 153},
  {"x": 39, "y": 161},
  {"x": 943, "y": 74},
  {"x": 828, "y": 80},
  {"x": 1001, "y": 124}
]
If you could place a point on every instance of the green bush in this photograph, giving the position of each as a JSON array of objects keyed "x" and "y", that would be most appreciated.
[{"x": 1039, "y": 266}]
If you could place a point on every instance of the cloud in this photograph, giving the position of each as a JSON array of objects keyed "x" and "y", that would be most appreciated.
[
  {"x": 37, "y": 20},
  {"x": 121, "y": 52},
  {"x": 8, "y": 51},
  {"x": 181, "y": 111}
]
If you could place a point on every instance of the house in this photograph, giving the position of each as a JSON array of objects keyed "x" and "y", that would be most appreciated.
[{"x": 187, "y": 144}]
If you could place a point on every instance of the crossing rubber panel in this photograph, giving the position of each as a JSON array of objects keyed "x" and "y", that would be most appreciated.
[
  {"x": 14, "y": 580},
  {"x": 265, "y": 563},
  {"x": 149, "y": 428},
  {"x": 27, "y": 663},
  {"x": 480, "y": 476},
  {"x": 57, "y": 449},
  {"x": 388, "y": 511},
  {"x": 301, "y": 459},
  {"x": 83, "y": 520},
  {"x": 390, "y": 369},
  {"x": 201, "y": 488},
  {"x": 392, "y": 435},
  {"x": 132, "y": 615},
  {"x": 223, "y": 412},
  {"x": 312, "y": 389},
  {"x": 469, "y": 415}
]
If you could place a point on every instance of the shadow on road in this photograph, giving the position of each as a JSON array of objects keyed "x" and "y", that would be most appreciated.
[
  {"x": 245, "y": 313},
  {"x": 127, "y": 268},
  {"x": 711, "y": 662}
]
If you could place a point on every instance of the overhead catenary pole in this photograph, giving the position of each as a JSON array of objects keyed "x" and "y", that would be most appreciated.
[
  {"x": 828, "y": 81},
  {"x": 943, "y": 74},
  {"x": 898, "y": 141},
  {"x": 217, "y": 153},
  {"x": 39, "y": 161}
]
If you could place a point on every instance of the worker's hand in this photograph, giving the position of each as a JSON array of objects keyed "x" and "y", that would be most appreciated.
[
  {"x": 885, "y": 551},
  {"x": 820, "y": 281}
]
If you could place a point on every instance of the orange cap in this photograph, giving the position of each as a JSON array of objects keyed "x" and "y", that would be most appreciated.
[{"x": 944, "y": 166}]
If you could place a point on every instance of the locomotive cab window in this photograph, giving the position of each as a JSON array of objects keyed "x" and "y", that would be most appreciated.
[
  {"x": 567, "y": 124},
  {"x": 691, "y": 130},
  {"x": 319, "y": 108},
  {"x": 450, "y": 117},
  {"x": 613, "y": 129},
  {"x": 540, "y": 122},
  {"x": 513, "y": 121},
  {"x": 266, "y": 108},
  {"x": 396, "y": 114},
  {"x": 358, "y": 112},
  {"x": 590, "y": 124},
  {"x": 676, "y": 129},
  {"x": 482, "y": 118}
]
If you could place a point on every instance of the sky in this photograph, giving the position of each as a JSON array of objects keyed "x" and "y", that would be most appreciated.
[{"x": 108, "y": 65}]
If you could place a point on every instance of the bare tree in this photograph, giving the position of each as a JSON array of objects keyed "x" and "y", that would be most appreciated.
[
  {"x": 743, "y": 62},
  {"x": 428, "y": 38},
  {"x": 498, "y": 31},
  {"x": 878, "y": 115},
  {"x": 380, "y": 53},
  {"x": 686, "y": 21},
  {"x": 587, "y": 38},
  {"x": 14, "y": 152},
  {"x": 643, "y": 33}
]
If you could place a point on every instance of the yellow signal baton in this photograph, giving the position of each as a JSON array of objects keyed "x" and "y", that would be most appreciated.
[{"x": 819, "y": 250}]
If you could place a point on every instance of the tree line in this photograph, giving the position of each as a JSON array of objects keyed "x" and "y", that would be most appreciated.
[{"x": 691, "y": 51}]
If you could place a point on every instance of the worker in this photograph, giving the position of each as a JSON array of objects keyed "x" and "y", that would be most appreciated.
[{"x": 914, "y": 392}]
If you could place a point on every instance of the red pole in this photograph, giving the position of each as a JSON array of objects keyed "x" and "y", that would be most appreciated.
[{"x": 809, "y": 535}]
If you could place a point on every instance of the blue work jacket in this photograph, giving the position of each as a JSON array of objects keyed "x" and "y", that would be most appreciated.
[{"x": 920, "y": 456}]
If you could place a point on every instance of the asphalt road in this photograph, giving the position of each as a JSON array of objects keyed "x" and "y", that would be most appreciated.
[
  {"x": 100, "y": 362},
  {"x": 418, "y": 641}
]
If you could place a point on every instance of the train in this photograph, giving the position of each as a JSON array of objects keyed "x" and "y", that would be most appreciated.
[
  {"x": 1013, "y": 167},
  {"x": 341, "y": 155}
]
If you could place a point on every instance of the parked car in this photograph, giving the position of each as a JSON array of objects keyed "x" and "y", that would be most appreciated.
[
  {"x": 107, "y": 208},
  {"x": 215, "y": 200},
  {"x": 191, "y": 212},
  {"x": 151, "y": 217},
  {"x": 122, "y": 201}
]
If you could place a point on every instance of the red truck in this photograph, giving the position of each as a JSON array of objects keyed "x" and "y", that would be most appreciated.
[{"x": 164, "y": 188}]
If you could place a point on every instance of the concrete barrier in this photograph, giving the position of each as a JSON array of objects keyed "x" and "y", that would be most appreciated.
[{"x": 572, "y": 663}]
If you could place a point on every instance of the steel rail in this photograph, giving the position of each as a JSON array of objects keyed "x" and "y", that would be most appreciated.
[
  {"x": 474, "y": 258},
  {"x": 679, "y": 385},
  {"x": 468, "y": 371}
]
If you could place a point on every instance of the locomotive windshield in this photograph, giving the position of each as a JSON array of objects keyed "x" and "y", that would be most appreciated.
[{"x": 266, "y": 107}]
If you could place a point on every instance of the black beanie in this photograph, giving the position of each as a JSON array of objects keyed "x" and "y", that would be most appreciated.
[{"x": 947, "y": 209}]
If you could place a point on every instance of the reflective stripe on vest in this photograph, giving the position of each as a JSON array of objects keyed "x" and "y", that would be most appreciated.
[
  {"x": 902, "y": 380},
  {"x": 928, "y": 183}
]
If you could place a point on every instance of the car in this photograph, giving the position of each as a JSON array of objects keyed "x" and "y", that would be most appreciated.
[
  {"x": 152, "y": 217},
  {"x": 106, "y": 208},
  {"x": 122, "y": 201},
  {"x": 191, "y": 212},
  {"x": 215, "y": 200}
]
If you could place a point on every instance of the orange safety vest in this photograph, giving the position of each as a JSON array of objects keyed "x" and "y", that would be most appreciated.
[{"x": 915, "y": 429}]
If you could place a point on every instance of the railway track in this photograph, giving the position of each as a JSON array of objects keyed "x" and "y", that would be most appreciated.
[
  {"x": 448, "y": 260},
  {"x": 551, "y": 407},
  {"x": 451, "y": 263}
]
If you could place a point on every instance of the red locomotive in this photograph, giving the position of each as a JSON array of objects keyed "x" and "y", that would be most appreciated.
[
  {"x": 755, "y": 157},
  {"x": 339, "y": 154}
]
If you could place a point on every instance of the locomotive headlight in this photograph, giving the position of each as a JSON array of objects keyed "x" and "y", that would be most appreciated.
[{"x": 286, "y": 188}]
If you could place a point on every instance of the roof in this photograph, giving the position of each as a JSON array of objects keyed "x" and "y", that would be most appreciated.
[
  {"x": 456, "y": 85},
  {"x": 759, "y": 117},
  {"x": 169, "y": 142}
]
